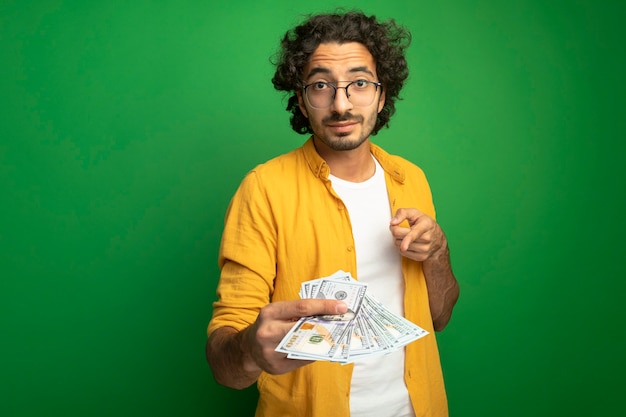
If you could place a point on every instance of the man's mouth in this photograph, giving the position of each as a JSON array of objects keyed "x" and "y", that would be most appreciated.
[{"x": 342, "y": 126}]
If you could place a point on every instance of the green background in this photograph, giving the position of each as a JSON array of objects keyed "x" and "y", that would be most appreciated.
[{"x": 125, "y": 127}]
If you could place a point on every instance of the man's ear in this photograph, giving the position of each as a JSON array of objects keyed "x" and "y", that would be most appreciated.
[
  {"x": 381, "y": 101},
  {"x": 301, "y": 104}
]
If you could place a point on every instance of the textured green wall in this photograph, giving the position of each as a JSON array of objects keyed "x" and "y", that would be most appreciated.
[{"x": 126, "y": 126}]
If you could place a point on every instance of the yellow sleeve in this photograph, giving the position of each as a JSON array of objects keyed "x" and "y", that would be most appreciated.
[{"x": 247, "y": 257}]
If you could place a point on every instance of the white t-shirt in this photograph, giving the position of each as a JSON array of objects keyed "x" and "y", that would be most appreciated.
[{"x": 378, "y": 388}]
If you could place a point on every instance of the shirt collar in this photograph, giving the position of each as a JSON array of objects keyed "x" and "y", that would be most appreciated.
[{"x": 320, "y": 168}]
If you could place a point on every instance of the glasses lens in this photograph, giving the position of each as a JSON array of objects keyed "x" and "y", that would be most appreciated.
[
  {"x": 320, "y": 94},
  {"x": 361, "y": 93}
]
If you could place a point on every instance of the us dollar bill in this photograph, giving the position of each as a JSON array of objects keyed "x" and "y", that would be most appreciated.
[{"x": 368, "y": 328}]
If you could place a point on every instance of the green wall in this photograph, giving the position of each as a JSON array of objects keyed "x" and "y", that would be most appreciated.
[{"x": 126, "y": 126}]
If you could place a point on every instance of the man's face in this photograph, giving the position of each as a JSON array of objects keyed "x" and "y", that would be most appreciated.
[{"x": 341, "y": 125}]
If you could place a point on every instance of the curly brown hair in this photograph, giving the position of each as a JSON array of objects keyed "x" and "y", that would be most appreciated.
[{"x": 386, "y": 41}]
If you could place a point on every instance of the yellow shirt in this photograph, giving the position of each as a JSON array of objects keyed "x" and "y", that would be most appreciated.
[{"x": 285, "y": 225}]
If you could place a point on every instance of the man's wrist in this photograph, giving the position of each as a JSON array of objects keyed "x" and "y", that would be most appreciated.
[
  {"x": 248, "y": 364},
  {"x": 442, "y": 254}
]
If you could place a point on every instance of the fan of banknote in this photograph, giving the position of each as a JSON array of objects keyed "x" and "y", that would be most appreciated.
[{"x": 367, "y": 328}]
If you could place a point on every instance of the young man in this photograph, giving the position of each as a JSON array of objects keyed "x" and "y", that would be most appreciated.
[{"x": 338, "y": 202}]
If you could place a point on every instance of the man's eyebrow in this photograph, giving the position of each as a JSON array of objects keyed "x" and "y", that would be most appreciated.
[
  {"x": 324, "y": 70},
  {"x": 362, "y": 69},
  {"x": 317, "y": 70}
]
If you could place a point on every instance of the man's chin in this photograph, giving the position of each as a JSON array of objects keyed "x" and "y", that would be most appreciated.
[{"x": 345, "y": 143}]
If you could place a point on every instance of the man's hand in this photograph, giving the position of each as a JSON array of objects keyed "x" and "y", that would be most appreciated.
[
  {"x": 423, "y": 240},
  {"x": 237, "y": 358},
  {"x": 274, "y": 322}
]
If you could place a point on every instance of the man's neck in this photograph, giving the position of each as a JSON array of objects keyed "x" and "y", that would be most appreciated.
[{"x": 355, "y": 165}]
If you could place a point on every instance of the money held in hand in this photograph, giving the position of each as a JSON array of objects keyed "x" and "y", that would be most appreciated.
[{"x": 367, "y": 328}]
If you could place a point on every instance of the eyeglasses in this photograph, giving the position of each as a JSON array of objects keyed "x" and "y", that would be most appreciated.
[{"x": 321, "y": 94}]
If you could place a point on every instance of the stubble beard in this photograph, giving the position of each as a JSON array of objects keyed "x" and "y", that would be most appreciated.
[{"x": 341, "y": 142}]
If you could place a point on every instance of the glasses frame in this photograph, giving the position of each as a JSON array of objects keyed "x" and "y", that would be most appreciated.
[{"x": 376, "y": 84}]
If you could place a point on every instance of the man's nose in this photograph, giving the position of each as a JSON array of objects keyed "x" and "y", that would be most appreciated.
[{"x": 341, "y": 102}]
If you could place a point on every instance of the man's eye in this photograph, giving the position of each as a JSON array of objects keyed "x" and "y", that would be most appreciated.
[
  {"x": 360, "y": 83},
  {"x": 320, "y": 86}
]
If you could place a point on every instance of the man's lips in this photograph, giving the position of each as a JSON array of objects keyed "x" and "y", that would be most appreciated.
[{"x": 342, "y": 125}]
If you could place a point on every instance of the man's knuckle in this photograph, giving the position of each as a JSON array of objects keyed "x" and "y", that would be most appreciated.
[{"x": 302, "y": 308}]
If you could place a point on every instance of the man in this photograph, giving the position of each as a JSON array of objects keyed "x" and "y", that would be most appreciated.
[{"x": 339, "y": 202}]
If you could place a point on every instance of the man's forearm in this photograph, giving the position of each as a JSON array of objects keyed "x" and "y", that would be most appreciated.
[
  {"x": 443, "y": 288},
  {"x": 228, "y": 360}
]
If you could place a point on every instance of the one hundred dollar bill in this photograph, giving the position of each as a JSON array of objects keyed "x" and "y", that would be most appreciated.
[{"x": 368, "y": 328}]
